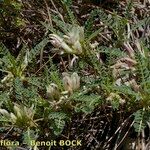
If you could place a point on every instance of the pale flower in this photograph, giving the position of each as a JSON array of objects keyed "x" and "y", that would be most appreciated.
[
  {"x": 71, "y": 42},
  {"x": 4, "y": 112},
  {"x": 52, "y": 91},
  {"x": 7, "y": 78},
  {"x": 59, "y": 43},
  {"x": 13, "y": 117},
  {"x": 18, "y": 111},
  {"x": 72, "y": 82},
  {"x": 75, "y": 81},
  {"x": 77, "y": 47},
  {"x": 115, "y": 96},
  {"x": 67, "y": 82},
  {"x": 76, "y": 34}
]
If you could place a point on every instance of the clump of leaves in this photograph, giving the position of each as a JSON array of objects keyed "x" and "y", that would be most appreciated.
[
  {"x": 21, "y": 116},
  {"x": 113, "y": 70}
]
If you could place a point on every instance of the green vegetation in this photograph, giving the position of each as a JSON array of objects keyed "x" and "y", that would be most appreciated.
[{"x": 75, "y": 74}]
